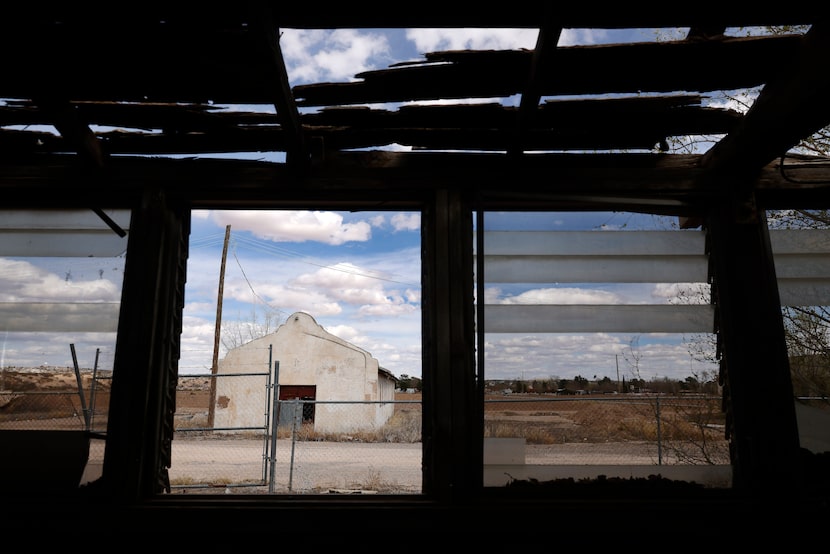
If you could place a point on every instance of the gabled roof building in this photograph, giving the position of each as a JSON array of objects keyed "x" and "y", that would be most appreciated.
[{"x": 340, "y": 387}]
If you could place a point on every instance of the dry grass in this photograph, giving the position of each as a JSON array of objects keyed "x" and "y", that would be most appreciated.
[{"x": 691, "y": 426}]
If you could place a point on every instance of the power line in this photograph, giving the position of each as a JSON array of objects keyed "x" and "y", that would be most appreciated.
[
  {"x": 250, "y": 286},
  {"x": 303, "y": 259}
]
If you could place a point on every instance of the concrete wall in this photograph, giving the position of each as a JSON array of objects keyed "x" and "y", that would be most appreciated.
[{"x": 307, "y": 355}]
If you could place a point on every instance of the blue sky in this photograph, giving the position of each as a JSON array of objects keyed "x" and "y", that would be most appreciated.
[{"x": 357, "y": 274}]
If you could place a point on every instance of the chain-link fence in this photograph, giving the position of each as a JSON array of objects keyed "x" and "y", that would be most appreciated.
[
  {"x": 255, "y": 442},
  {"x": 348, "y": 447},
  {"x": 302, "y": 446},
  {"x": 54, "y": 399},
  {"x": 53, "y": 422},
  {"x": 361, "y": 446},
  {"x": 221, "y": 434},
  {"x": 685, "y": 429}
]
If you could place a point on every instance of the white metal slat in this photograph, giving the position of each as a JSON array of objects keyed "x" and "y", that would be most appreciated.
[
  {"x": 64, "y": 234},
  {"x": 802, "y": 259},
  {"x": 61, "y": 233},
  {"x": 100, "y": 317},
  {"x": 570, "y": 318}
]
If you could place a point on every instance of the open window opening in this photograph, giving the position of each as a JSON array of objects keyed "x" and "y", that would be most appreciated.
[
  {"x": 800, "y": 241},
  {"x": 301, "y": 358},
  {"x": 599, "y": 353},
  {"x": 61, "y": 275}
]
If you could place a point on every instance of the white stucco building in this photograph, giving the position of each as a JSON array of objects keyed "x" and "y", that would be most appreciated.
[{"x": 351, "y": 392}]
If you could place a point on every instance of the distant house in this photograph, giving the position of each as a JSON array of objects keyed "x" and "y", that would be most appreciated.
[{"x": 345, "y": 388}]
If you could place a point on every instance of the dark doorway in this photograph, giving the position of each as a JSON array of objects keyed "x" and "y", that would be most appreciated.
[{"x": 297, "y": 392}]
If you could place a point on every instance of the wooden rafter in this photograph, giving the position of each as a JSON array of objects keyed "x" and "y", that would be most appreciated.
[
  {"x": 540, "y": 64},
  {"x": 76, "y": 133},
  {"x": 296, "y": 150}
]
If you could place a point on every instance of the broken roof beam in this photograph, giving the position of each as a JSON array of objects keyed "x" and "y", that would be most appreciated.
[
  {"x": 692, "y": 66},
  {"x": 706, "y": 32},
  {"x": 540, "y": 64},
  {"x": 792, "y": 106},
  {"x": 65, "y": 118},
  {"x": 296, "y": 153}
]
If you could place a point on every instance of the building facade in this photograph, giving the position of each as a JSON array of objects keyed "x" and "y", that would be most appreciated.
[{"x": 322, "y": 380}]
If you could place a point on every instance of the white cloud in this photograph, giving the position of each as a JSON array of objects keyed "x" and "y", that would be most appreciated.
[
  {"x": 413, "y": 295},
  {"x": 284, "y": 299},
  {"x": 406, "y": 222},
  {"x": 569, "y": 295},
  {"x": 345, "y": 282},
  {"x": 21, "y": 281},
  {"x": 198, "y": 307},
  {"x": 346, "y": 332},
  {"x": 388, "y": 309},
  {"x": 545, "y": 356},
  {"x": 295, "y": 226},
  {"x": 319, "y": 55},
  {"x": 572, "y": 37},
  {"x": 432, "y": 40}
]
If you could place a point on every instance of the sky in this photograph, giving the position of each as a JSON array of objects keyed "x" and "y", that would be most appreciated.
[{"x": 357, "y": 274}]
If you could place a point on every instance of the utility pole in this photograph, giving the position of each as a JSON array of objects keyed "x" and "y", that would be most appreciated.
[{"x": 214, "y": 368}]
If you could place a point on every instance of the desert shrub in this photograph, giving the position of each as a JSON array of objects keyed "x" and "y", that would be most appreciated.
[
  {"x": 689, "y": 430},
  {"x": 402, "y": 427}
]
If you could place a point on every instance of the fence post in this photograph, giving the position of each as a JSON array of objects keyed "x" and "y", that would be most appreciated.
[
  {"x": 659, "y": 435},
  {"x": 275, "y": 419},
  {"x": 80, "y": 387},
  {"x": 93, "y": 385},
  {"x": 297, "y": 408}
]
